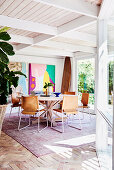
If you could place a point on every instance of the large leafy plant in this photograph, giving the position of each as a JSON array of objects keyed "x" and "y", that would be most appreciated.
[{"x": 7, "y": 77}]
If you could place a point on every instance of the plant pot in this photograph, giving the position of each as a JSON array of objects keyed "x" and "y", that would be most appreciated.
[
  {"x": 2, "y": 113},
  {"x": 49, "y": 90}
]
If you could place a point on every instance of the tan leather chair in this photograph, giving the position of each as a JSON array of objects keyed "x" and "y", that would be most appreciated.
[
  {"x": 70, "y": 93},
  {"x": 15, "y": 102},
  {"x": 85, "y": 101},
  {"x": 67, "y": 93},
  {"x": 30, "y": 106},
  {"x": 70, "y": 106}
]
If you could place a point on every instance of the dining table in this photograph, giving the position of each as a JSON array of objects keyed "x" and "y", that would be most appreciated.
[{"x": 49, "y": 102}]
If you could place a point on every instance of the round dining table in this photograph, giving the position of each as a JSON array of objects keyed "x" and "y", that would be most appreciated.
[{"x": 50, "y": 102}]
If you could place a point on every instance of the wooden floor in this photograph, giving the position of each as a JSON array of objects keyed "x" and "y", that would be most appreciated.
[{"x": 15, "y": 156}]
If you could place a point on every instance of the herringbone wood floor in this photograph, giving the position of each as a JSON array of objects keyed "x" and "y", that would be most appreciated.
[{"x": 15, "y": 156}]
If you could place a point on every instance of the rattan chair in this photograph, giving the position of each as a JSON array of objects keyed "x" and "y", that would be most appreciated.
[
  {"x": 69, "y": 107},
  {"x": 30, "y": 107}
]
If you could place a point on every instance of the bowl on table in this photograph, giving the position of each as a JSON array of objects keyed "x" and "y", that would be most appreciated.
[{"x": 57, "y": 94}]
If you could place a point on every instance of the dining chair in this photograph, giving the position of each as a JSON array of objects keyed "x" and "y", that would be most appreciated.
[
  {"x": 67, "y": 93},
  {"x": 85, "y": 101},
  {"x": 30, "y": 107},
  {"x": 70, "y": 92},
  {"x": 15, "y": 102},
  {"x": 69, "y": 107}
]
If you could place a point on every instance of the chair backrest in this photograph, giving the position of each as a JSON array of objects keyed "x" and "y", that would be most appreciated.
[
  {"x": 70, "y": 103},
  {"x": 14, "y": 98},
  {"x": 30, "y": 103},
  {"x": 70, "y": 93},
  {"x": 85, "y": 99}
]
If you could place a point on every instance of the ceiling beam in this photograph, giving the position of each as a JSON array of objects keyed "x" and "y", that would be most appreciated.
[
  {"x": 106, "y": 10},
  {"x": 37, "y": 51},
  {"x": 20, "y": 39},
  {"x": 76, "y": 24},
  {"x": 67, "y": 46},
  {"x": 77, "y": 6},
  {"x": 27, "y": 25},
  {"x": 76, "y": 35}
]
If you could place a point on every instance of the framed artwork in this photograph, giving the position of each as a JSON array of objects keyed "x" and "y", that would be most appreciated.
[
  {"x": 39, "y": 74},
  {"x": 18, "y": 66}
]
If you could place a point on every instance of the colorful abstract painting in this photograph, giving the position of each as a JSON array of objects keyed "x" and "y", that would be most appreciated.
[{"x": 39, "y": 74}]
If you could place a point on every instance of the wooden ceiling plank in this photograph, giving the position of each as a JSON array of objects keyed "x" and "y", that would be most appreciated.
[
  {"x": 31, "y": 12},
  {"x": 5, "y": 5},
  {"x": 19, "y": 8},
  {"x": 76, "y": 24},
  {"x": 78, "y": 6},
  {"x": 53, "y": 17},
  {"x": 25, "y": 10},
  {"x": 47, "y": 14},
  {"x": 12, "y": 7},
  {"x": 63, "y": 20},
  {"x": 38, "y": 13}
]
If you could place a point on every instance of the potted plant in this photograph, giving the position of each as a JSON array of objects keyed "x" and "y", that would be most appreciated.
[
  {"x": 48, "y": 87},
  {"x": 7, "y": 77}
]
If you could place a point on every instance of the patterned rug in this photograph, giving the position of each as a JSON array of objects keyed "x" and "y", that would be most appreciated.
[{"x": 49, "y": 141}]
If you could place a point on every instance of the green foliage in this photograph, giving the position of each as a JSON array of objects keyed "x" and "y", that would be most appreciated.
[
  {"x": 111, "y": 71},
  {"x": 7, "y": 77},
  {"x": 86, "y": 76},
  {"x": 47, "y": 84}
]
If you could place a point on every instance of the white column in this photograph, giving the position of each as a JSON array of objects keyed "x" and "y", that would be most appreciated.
[
  {"x": 73, "y": 74},
  {"x": 101, "y": 86},
  {"x": 76, "y": 76}
]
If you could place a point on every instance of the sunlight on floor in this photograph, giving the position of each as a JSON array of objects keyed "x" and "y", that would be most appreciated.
[{"x": 78, "y": 140}]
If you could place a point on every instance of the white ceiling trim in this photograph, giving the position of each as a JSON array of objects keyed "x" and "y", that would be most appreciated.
[{"x": 78, "y": 6}]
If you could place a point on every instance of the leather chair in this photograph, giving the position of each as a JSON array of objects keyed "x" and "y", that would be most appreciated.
[
  {"x": 69, "y": 107},
  {"x": 30, "y": 107},
  {"x": 15, "y": 102}
]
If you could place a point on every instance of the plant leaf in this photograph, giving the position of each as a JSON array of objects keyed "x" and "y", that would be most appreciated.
[
  {"x": 7, "y": 48},
  {"x": 20, "y": 73},
  {"x": 4, "y": 36},
  {"x": 3, "y": 57},
  {"x": 4, "y": 29}
]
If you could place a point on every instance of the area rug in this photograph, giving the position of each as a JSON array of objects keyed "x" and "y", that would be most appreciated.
[{"x": 49, "y": 141}]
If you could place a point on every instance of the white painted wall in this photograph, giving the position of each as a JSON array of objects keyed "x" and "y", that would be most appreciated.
[{"x": 58, "y": 62}]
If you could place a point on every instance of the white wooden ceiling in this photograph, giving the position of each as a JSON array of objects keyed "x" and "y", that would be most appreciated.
[{"x": 52, "y": 27}]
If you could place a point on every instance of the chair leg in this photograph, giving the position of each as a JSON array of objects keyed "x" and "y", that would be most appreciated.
[
  {"x": 20, "y": 123},
  {"x": 79, "y": 123},
  {"x": 39, "y": 122},
  {"x": 89, "y": 116},
  {"x": 19, "y": 111},
  {"x": 62, "y": 123},
  {"x": 10, "y": 112}
]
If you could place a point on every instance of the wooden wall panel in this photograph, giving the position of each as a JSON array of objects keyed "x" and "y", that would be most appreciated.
[{"x": 66, "y": 75}]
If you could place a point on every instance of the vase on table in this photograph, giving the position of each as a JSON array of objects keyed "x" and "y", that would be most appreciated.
[{"x": 50, "y": 90}]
